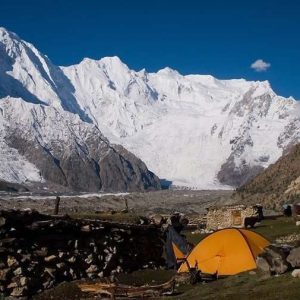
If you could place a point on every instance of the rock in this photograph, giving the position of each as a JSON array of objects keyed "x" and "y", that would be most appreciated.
[
  {"x": 61, "y": 265},
  {"x": 48, "y": 284},
  {"x": 86, "y": 228},
  {"x": 76, "y": 244},
  {"x": 42, "y": 252},
  {"x": 262, "y": 264},
  {"x": 50, "y": 271},
  {"x": 61, "y": 254},
  {"x": 92, "y": 269},
  {"x": 50, "y": 258},
  {"x": 73, "y": 274},
  {"x": 100, "y": 274},
  {"x": 90, "y": 259},
  {"x": 294, "y": 257},
  {"x": 296, "y": 273},
  {"x": 12, "y": 262},
  {"x": 25, "y": 258},
  {"x": 2, "y": 221},
  {"x": 298, "y": 223},
  {"x": 12, "y": 285},
  {"x": 19, "y": 291},
  {"x": 72, "y": 259},
  {"x": 24, "y": 281},
  {"x": 18, "y": 271},
  {"x": 3, "y": 274},
  {"x": 273, "y": 260}
]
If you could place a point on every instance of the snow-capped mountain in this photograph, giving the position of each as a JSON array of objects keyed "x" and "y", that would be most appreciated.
[
  {"x": 44, "y": 135},
  {"x": 193, "y": 130}
]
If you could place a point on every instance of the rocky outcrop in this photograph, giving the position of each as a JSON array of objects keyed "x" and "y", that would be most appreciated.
[{"x": 38, "y": 251}]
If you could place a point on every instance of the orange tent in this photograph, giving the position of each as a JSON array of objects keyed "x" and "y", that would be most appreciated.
[
  {"x": 178, "y": 253},
  {"x": 226, "y": 252}
]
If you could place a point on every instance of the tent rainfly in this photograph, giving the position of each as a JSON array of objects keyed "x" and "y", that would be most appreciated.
[{"x": 226, "y": 252}]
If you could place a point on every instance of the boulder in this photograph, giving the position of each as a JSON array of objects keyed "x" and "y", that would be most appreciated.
[
  {"x": 19, "y": 291},
  {"x": 12, "y": 261},
  {"x": 273, "y": 260},
  {"x": 92, "y": 269},
  {"x": 24, "y": 281},
  {"x": 294, "y": 257},
  {"x": 18, "y": 271},
  {"x": 296, "y": 273},
  {"x": 262, "y": 264},
  {"x": 4, "y": 274},
  {"x": 50, "y": 258}
]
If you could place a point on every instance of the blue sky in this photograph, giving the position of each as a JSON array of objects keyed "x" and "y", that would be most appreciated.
[{"x": 221, "y": 38}]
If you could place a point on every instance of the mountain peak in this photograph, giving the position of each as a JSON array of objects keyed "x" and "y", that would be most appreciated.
[
  {"x": 3, "y": 30},
  {"x": 6, "y": 33},
  {"x": 168, "y": 71},
  {"x": 113, "y": 62},
  {"x": 109, "y": 62}
]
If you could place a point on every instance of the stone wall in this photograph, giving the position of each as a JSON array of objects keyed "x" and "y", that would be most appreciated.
[
  {"x": 229, "y": 216},
  {"x": 39, "y": 251}
]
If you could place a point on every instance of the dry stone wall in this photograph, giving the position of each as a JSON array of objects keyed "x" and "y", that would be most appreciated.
[
  {"x": 228, "y": 216},
  {"x": 39, "y": 251}
]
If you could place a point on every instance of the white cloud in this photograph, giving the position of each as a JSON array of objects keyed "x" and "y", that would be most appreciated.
[{"x": 260, "y": 65}]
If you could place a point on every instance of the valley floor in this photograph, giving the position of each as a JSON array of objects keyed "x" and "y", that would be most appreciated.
[{"x": 162, "y": 202}]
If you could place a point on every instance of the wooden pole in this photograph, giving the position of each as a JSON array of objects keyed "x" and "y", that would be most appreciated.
[{"x": 56, "y": 209}]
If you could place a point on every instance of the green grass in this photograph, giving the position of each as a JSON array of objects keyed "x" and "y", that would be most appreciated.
[
  {"x": 269, "y": 228},
  {"x": 244, "y": 286},
  {"x": 272, "y": 229}
]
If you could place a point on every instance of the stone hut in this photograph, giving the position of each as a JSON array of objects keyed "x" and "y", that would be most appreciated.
[{"x": 231, "y": 216}]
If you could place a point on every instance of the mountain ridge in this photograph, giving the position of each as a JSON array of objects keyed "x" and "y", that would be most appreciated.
[{"x": 193, "y": 130}]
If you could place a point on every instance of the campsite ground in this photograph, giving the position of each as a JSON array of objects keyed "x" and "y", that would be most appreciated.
[{"x": 248, "y": 285}]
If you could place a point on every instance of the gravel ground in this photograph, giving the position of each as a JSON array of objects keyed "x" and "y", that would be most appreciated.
[{"x": 166, "y": 201}]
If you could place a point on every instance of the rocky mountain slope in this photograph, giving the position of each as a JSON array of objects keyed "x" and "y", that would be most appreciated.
[
  {"x": 45, "y": 137},
  {"x": 194, "y": 130},
  {"x": 278, "y": 184}
]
